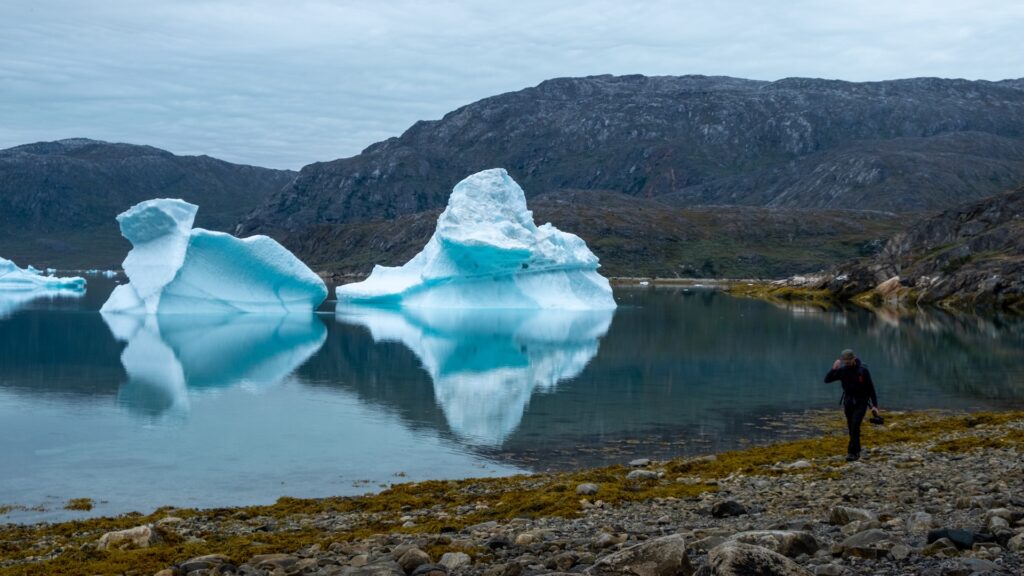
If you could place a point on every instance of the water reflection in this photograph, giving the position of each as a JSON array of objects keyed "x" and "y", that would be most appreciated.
[
  {"x": 13, "y": 300},
  {"x": 486, "y": 364},
  {"x": 167, "y": 356}
]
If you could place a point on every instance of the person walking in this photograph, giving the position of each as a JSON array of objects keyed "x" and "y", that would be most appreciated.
[{"x": 858, "y": 396}]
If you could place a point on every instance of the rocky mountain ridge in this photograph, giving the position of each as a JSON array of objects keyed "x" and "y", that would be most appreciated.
[
  {"x": 690, "y": 140},
  {"x": 58, "y": 199}
]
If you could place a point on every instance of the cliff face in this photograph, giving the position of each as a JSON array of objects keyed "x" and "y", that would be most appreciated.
[
  {"x": 906, "y": 146},
  {"x": 58, "y": 199},
  {"x": 972, "y": 255}
]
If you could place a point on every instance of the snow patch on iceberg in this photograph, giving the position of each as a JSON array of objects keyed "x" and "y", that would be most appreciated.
[
  {"x": 487, "y": 364},
  {"x": 176, "y": 269},
  {"x": 488, "y": 253}
]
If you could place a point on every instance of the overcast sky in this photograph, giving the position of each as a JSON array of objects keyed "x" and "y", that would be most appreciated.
[{"x": 284, "y": 83}]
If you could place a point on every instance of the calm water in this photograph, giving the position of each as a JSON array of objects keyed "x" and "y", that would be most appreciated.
[{"x": 245, "y": 409}]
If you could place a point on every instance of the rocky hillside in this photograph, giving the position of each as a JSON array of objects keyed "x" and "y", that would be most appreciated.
[
  {"x": 632, "y": 236},
  {"x": 58, "y": 199},
  {"x": 965, "y": 257},
  {"x": 698, "y": 140}
]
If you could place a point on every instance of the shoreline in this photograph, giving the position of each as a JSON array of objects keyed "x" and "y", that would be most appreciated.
[{"x": 499, "y": 524}]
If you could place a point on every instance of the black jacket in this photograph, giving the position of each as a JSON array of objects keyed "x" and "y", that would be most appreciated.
[{"x": 857, "y": 385}]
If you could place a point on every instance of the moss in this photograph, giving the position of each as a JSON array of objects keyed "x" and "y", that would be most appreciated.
[
  {"x": 537, "y": 496},
  {"x": 83, "y": 504},
  {"x": 782, "y": 294}
]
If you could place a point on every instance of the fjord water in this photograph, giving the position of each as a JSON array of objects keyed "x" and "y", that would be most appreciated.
[{"x": 217, "y": 411}]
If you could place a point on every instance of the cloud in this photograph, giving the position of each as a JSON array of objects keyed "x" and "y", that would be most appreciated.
[{"x": 282, "y": 84}]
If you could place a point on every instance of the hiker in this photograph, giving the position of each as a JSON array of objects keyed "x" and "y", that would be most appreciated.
[{"x": 858, "y": 396}]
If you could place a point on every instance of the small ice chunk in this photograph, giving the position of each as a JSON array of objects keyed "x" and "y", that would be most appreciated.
[
  {"x": 13, "y": 278},
  {"x": 176, "y": 269},
  {"x": 488, "y": 253}
]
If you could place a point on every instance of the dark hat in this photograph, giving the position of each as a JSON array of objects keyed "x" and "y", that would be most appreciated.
[{"x": 846, "y": 355}]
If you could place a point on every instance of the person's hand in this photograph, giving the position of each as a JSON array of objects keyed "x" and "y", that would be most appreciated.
[
  {"x": 875, "y": 410},
  {"x": 837, "y": 364}
]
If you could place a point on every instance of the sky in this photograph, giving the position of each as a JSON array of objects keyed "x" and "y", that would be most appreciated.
[{"x": 282, "y": 84}]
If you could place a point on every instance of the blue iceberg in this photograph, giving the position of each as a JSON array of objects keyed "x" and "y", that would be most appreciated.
[
  {"x": 20, "y": 286},
  {"x": 486, "y": 364},
  {"x": 175, "y": 269},
  {"x": 488, "y": 253}
]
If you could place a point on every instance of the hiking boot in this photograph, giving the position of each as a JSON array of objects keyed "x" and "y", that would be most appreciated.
[{"x": 852, "y": 457}]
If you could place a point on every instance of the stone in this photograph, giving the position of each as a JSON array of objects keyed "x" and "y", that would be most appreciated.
[
  {"x": 920, "y": 522},
  {"x": 499, "y": 542},
  {"x": 430, "y": 570},
  {"x": 664, "y": 556},
  {"x": 137, "y": 537},
  {"x": 900, "y": 552},
  {"x": 168, "y": 572},
  {"x": 940, "y": 547},
  {"x": 507, "y": 569},
  {"x": 606, "y": 540},
  {"x": 412, "y": 559},
  {"x": 525, "y": 539},
  {"x": 873, "y": 543},
  {"x": 1016, "y": 544},
  {"x": 453, "y": 560},
  {"x": 791, "y": 543},
  {"x": 640, "y": 462},
  {"x": 642, "y": 475},
  {"x": 359, "y": 560},
  {"x": 830, "y": 570},
  {"x": 980, "y": 566},
  {"x": 738, "y": 559},
  {"x": 271, "y": 561},
  {"x": 843, "y": 515},
  {"x": 728, "y": 508},
  {"x": 587, "y": 489},
  {"x": 203, "y": 562},
  {"x": 962, "y": 539},
  {"x": 379, "y": 568}
]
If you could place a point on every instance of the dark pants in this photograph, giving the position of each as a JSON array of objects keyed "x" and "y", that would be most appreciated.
[{"x": 854, "y": 416}]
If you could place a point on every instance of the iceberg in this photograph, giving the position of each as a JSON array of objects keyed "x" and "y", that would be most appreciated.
[
  {"x": 19, "y": 286},
  {"x": 487, "y": 253},
  {"x": 173, "y": 268},
  {"x": 166, "y": 357},
  {"x": 486, "y": 364},
  {"x": 14, "y": 279}
]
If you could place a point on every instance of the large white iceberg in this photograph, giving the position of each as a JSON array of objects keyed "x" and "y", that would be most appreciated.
[
  {"x": 19, "y": 286},
  {"x": 487, "y": 364},
  {"x": 488, "y": 253},
  {"x": 176, "y": 269}
]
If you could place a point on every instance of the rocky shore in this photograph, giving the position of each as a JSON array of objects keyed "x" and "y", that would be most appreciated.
[{"x": 934, "y": 494}]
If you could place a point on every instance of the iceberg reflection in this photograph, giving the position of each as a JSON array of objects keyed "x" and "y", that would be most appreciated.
[
  {"x": 167, "y": 356},
  {"x": 485, "y": 364}
]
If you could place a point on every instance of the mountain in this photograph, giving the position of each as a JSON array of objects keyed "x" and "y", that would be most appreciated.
[
  {"x": 797, "y": 146},
  {"x": 58, "y": 199}
]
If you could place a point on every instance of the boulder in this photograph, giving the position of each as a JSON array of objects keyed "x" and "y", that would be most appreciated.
[
  {"x": 873, "y": 543},
  {"x": 665, "y": 556},
  {"x": 790, "y": 543},
  {"x": 587, "y": 489},
  {"x": 843, "y": 515},
  {"x": 962, "y": 539},
  {"x": 412, "y": 559},
  {"x": 920, "y": 522},
  {"x": 379, "y": 568},
  {"x": 203, "y": 562},
  {"x": 728, "y": 508},
  {"x": 137, "y": 537},
  {"x": 738, "y": 559},
  {"x": 453, "y": 560},
  {"x": 642, "y": 475}
]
